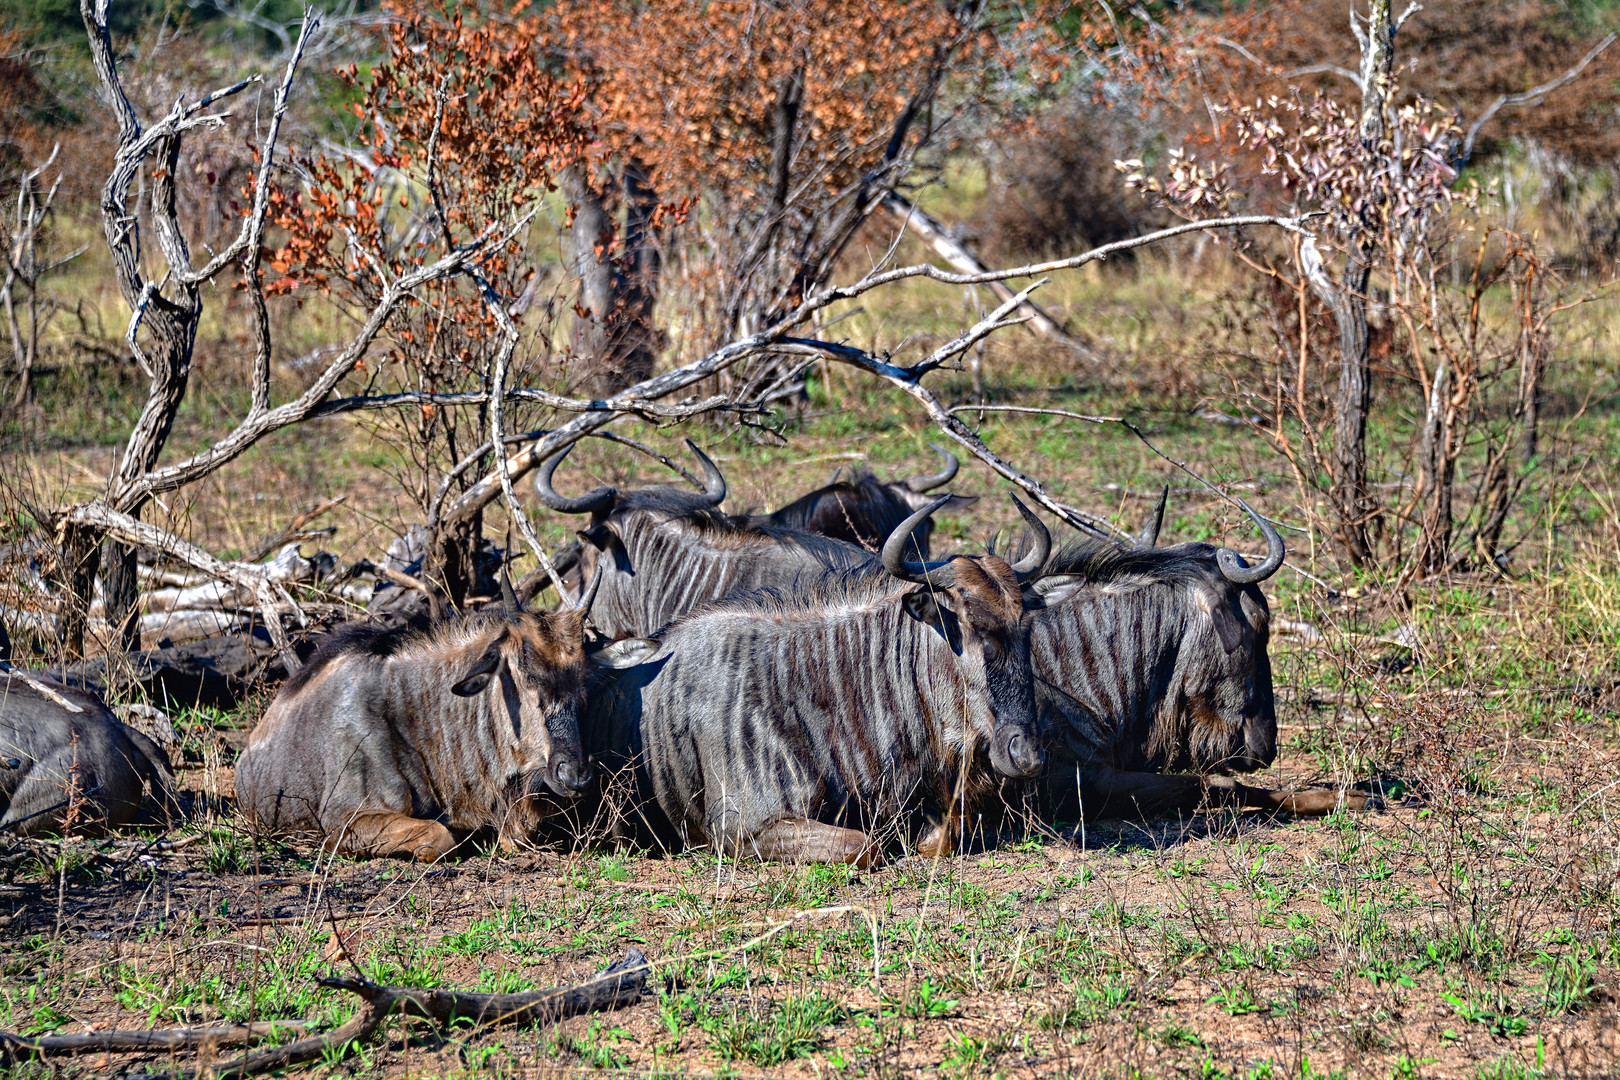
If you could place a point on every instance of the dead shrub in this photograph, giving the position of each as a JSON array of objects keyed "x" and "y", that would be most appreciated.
[{"x": 1054, "y": 187}]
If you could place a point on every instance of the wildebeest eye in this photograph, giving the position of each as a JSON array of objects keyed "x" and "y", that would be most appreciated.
[{"x": 994, "y": 648}]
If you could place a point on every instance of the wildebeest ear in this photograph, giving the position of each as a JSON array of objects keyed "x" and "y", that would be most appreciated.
[
  {"x": 484, "y": 668},
  {"x": 1051, "y": 591},
  {"x": 598, "y": 536},
  {"x": 1227, "y": 626},
  {"x": 626, "y": 653}
]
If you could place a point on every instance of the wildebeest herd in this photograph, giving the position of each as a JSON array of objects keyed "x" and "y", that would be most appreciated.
[{"x": 807, "y": 685}]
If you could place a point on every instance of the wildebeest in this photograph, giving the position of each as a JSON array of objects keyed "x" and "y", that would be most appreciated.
[
  {"x": 1151, "y": 672},
  {"x": 402, "y": 741},
  {"x": 792, "y": 725},
  {"x": 864, "y": 511},
  {"x": 60, "y": 768},
  {"x": 663, "y": 551}
]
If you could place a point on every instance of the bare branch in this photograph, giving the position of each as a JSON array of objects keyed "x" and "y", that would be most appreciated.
[
  {"x": 38, "y": 687},
  {"x": 930, "y": 231},
  {"x": 1531, "y": 97},
  {"x": 872, "y": 281},
  {"x": 137, "y": 533},
  {"x": 950, "y": 425},
  {"x": 485, "y": 490},
  {"x": 258, "y": 425},
  {"x": 635, "y": 406}
]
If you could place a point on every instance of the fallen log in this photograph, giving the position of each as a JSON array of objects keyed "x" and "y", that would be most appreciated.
[
  {"x": 216, "y": 671},
  {"x": 621, "y": 983},
  {"x": 90, "y": 1042}
]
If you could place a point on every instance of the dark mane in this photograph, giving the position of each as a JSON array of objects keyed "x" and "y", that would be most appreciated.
[
  {"x": 677, "y": 505},
  {"x": 363, "y": 639},
  {"x": 1101, "y": 562},
  {"x": 863, "y": 487},
  {"x": 368, "y": 639}
]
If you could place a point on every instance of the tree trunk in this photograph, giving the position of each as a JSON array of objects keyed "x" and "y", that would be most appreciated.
[
  {"x": 1352, "y": 502},
  {"x": 170, "y": 323},
  {"x": 80, "y": 558},
  {"x": 1350, "y": 497},
  {"x": 614, "y": 336},
  {"x": 1436, "y": 471},
  {"x": 451, "y": 563}
]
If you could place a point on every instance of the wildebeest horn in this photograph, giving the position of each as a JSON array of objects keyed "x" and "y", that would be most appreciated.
[
  {"x": 1036, "y": 557},
  {"x": 597, "y": 501},
  {"x": 588, "y": 597},
  {"x": 920, "y": 484},
  {"x": 509, "y": 601},
  {"x": 714, "y": 482},
  {"x": 1149, "y": 536},
  {"x": 894, "y": 552},
  {"x": 1235, "y": 570}
]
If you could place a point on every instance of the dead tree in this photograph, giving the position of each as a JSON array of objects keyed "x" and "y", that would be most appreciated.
[
  {"x": 27, "y": 312},
  {"x": 163, "y": 327}
]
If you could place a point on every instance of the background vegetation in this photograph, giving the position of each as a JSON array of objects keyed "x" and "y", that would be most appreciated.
[{"x": 1467, "y": 930}]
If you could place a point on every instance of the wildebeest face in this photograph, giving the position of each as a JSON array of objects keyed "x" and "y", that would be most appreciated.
[
  {"x": 1227, "y": 679},
  {"x": 536, "y": 664},
  {"x": 981, "y": 616}
]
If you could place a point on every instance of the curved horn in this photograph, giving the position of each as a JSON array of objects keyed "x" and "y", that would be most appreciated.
[
  {"x": 1031, "y": 563},
  {"x": 894, "y": 552},
  {"x": 509, "y": 601},
  {"x": 920, "y": 484},
  {"x": 1235, "y": 570},
  {"x": 1149, "y": 536},
  {"x": 588, "y": 597},
  {"x": 714, "y": 482},
  {"x": 598, "y": 501}
]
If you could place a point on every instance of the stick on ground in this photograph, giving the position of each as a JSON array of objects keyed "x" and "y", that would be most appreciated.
[{"x": 619, "y": 984}]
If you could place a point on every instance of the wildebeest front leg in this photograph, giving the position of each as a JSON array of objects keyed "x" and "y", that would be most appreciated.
[
  {"x": 370, "y": 835},
  {"x": 1310, "y": 802},
  {"x": 801, "y": 840}
]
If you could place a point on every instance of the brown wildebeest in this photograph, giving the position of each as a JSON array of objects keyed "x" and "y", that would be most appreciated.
[
  {"x": 57, "y": 764},
  {"x": 401, "y": 742}
]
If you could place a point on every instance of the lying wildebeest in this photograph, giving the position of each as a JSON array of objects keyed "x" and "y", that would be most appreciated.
[
  {"x": 82, "y": 770},
  {"x": 792, "y": 725},
  {"x": 1150, "y": 664},
  {"x": 393, "y": 742},
  {"x": 662, "y": 551},
  {"x": 864, "y": 511}
]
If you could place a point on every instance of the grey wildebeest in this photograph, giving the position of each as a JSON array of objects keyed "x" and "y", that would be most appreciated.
[
  {"x": 791, "y": 726},
  {"x": 1151, "y": 674},
  {"x": 663, "y": 551},
  {"x": 57, "y": 764},
  {"x": 402, "y": 741},
  {"x": 864, "y": 511}
]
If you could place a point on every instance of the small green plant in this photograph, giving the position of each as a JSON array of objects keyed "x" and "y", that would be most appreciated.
[
  {"x": 1498, "y": 1016},
  {"x": 1174, "y": 1035},
  {"x": 1570, "y": 981},
  {"x": 597, "y": 1046},
  {"x": 968, "y": 1054},
  {"x": 1236, "y": 1000},
  {"x": 1407, "y": 1068},
  {"x": 614, "y": 868},
  {"x": 926, "y": 1002},
  {"x": 776, "y": 1032}
]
